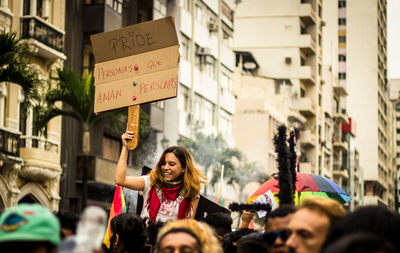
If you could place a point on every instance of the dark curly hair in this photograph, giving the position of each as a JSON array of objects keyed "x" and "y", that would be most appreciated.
[{"x": 131, "y": 231}]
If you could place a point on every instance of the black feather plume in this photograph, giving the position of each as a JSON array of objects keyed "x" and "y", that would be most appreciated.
[
  {"x": 286, "y": 188},
  {"x": 293, "y": 159},
  {"x": 236, "y": 207}
]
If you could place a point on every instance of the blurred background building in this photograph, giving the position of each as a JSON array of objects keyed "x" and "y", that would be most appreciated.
[
  {"x": 30, "y": 165},
  {"x": 246, "y": 66}
]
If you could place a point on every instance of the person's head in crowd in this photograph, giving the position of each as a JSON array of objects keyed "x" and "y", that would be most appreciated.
[
  {"x": 221, "y": 222},
  {"x": 275, "y": 229},
  {"x": 369, "y": 219},
  {"x": 68, "y": 223},
  {"x": 360, "y": 243},
  {"x": 29, "y": 228},
  {"x": 127, "y": 234},
  {"x": 311, "y": 223},
  {"x": 152, "y": 230},
  {"x": 204, "y": 232},
  {"x": 229, "y": 241},
  {"x": 179, "y": 240},
  {"x": 251, "y": 245}
]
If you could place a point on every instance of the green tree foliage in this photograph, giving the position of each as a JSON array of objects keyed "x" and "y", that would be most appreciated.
[
  {"x": 15, "y": 57},
  {"x": 212, "y": 152}
]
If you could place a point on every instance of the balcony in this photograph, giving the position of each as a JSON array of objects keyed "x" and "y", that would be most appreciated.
[
  {"x": 305, "y": 106},
  {"x": 339, "y": 145},
  {"x": 9, "y": 143},
  {"x": 307, "y": 139},
  {"x": 307, "y": 44},
  {"x": 340, "y": 171},
  {"x": 101, "y": 170},
  {"x": 340, "y": 117},
  {"x": 307, "y": 14},
  {"x": 307, "y": 75},
  {"x": 307, "y": 168},
  {"x": 339, "y": 89},
  {"x": 41, "y": 158},
  {"x": 48, "y": 39}
]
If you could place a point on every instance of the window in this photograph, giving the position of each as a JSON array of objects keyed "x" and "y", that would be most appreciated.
[
  {"x": 302, "y": 61},
  {"x": 199, "y": 12},
  {"x": 342, "y": 57},
  {"x": 26, "y": 10},
  {"x": 342, "y": 76},
  {"x": 183, "y": 98},
  {"x": 319, "y": 100},
  {"x": 116, "y": 5},
  {"x": 342, "y": 39},
  {"x": 342, "y": 3},
  {"x": 185, "y": 46},
  {"x": 342, "y": 21},
  {"x": 111, "y": 147},
  {"x": 187, "y": 5}
]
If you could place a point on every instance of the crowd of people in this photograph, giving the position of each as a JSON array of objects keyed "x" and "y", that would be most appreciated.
[
  {"x": 167, "y": 225},
  {"x": 317, "y": 225}
]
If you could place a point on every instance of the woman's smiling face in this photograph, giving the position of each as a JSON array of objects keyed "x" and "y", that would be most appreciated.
[{"x": 172, "y": 169}]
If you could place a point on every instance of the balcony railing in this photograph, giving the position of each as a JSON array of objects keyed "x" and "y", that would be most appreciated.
[
  {"x": 37, "y": 142},
  {"x": 35, "y": 28},
  {"x": 9, "y": 143}
]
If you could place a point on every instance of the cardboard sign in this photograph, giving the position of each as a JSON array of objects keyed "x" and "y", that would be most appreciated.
[
  {"x": 135, "y": 65},
  {"x": 146, "y": 63},
  {"x": 135, "y": 39},
  {"x": 136, "y": 90}
]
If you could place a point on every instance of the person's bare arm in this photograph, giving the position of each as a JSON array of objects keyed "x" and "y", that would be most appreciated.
[
  {"x": 195, "y": 203},
  {"x": 120, "y": 178},
  {"x": 247, "y": 216}
]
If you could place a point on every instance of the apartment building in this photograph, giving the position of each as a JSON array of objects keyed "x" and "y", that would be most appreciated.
[
  {"x": 205, "y": 101},
  {"x": 368, "y": 101},
  {"x": 30, "y": 164},
  {"x": 285, "y": 39},
  {"x": 395, "y": 98}
]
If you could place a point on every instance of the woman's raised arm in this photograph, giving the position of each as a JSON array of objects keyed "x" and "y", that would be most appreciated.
[{"x": 120, "y": 178}]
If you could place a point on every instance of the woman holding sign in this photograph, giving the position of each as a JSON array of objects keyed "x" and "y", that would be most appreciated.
[{"x": 171, "y": 190}]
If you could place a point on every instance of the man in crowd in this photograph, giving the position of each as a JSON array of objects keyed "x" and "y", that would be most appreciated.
[
  {"x": 275, "y": 229},
  {"x": 311, "y": 223},
  {"x": 29, "y": 228}
]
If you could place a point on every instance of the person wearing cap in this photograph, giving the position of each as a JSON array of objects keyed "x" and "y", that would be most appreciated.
[{"x": 29, "y": 228}]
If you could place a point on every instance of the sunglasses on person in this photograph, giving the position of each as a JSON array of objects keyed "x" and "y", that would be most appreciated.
[{"x": 269, "y": 238}]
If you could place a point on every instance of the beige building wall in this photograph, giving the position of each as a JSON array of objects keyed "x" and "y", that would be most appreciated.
[
  {"x": 285, "y": 39},
  {"x": 368, "y": 95},
  {"x": 32, "y": 172}
]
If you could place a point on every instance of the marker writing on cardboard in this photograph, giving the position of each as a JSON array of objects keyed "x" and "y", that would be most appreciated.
[
  {"x": 169, "y": 83},
  {"x": 128, "y": 43},
  {"x": 108, "y": 95}
]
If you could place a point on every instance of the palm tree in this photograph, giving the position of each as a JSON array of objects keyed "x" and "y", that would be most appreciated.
[
  {"x": 15, "y": 56},
  {"x": 77, "y": 95}
]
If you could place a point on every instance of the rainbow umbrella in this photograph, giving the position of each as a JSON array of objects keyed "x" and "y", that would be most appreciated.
[{"x": 306, "y": 185}]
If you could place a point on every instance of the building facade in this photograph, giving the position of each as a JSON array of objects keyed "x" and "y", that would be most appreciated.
[
  {"x": 30, "y": 164},
  {"x": 368, "y": 100},
  {"x": 286, "y": 41}
]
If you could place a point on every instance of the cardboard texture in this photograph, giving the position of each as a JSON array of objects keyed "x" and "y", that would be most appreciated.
[
  {"x": 135, "y": 39},
  {"x": 145, "y": 63},
  {"x": 136, "y": 90},
  {"x": 135, "y": 65}
]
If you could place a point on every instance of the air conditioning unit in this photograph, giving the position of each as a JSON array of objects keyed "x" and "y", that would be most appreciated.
[
  {"x": 212, "y": 26},
  {"x": 203, "y": 51}
]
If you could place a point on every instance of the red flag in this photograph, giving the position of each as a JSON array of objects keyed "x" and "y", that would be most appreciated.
[{"x": 117, "y": 207}]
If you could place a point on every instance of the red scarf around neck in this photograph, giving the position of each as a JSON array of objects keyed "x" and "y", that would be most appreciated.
[{"x": 154, "y": 202}]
